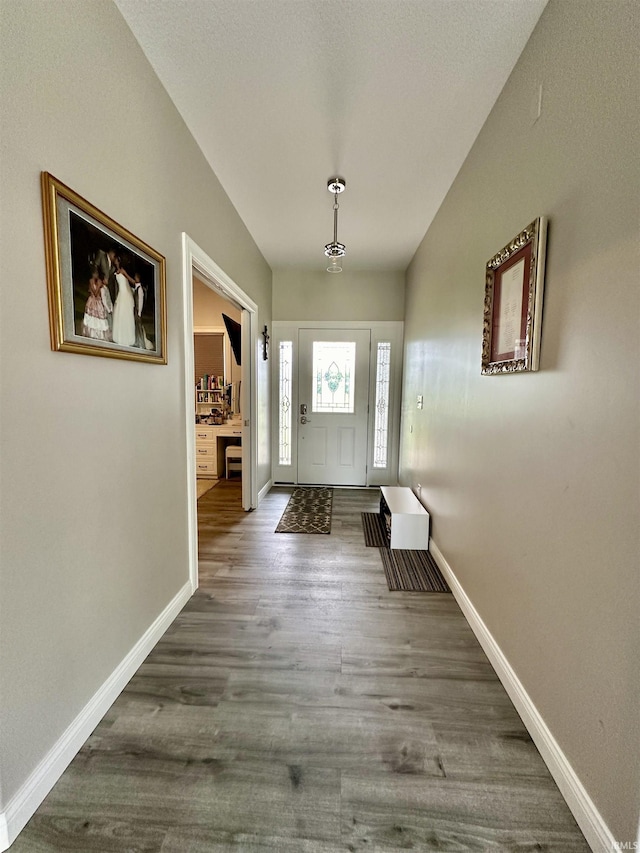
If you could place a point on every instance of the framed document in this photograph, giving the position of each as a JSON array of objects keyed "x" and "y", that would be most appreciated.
[
  {"x": 514, "y": 286},
  {"x": 106, "y": 287}
]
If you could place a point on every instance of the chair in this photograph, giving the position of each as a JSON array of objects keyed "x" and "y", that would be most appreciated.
[{"x": 233, "y": 458}]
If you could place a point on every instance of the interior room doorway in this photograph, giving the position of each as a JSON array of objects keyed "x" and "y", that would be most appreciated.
[
  {"x": 228, "y": 403},
  {"x": 217, "y": 336}
]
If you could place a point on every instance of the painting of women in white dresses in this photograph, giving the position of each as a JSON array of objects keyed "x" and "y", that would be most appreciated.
[
  {"x": 106, "y": 286},
  {"x": 113, "y": 289}
]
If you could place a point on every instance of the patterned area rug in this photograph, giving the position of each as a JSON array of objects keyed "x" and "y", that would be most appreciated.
[
  {"x": 406, "y": 571},
  {"x": 308, "y": 511}
]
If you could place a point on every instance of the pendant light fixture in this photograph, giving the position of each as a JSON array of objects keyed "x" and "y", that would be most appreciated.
[{"x": 335, "y": 250}]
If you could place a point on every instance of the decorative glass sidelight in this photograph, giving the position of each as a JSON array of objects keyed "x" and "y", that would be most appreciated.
[
  {"x": 381, "y": 423},
  {"x": 284, "y": 400},
  {"x": 333, "y": 376}
]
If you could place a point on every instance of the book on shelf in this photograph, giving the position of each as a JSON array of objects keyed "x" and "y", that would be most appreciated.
[{"x": 211, "y": 383}]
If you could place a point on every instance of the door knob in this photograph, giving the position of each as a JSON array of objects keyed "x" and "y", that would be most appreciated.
[{"x": 304, "y": 420}]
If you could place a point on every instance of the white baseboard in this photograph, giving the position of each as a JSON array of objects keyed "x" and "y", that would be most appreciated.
[
  {"x": 583, "y": 808},
  {"x": 25, "y": 802},
  {"x": 264, "y": 491}
]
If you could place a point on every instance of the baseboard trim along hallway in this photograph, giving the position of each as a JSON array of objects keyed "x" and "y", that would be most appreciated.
[
  {"x": 583, "y": 808},
  {"x": 24, "y": 804},
  {"x": 264, "y": 491}
]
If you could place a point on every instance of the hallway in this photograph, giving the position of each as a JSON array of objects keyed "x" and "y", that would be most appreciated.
[{"x": 296, "y": 706}]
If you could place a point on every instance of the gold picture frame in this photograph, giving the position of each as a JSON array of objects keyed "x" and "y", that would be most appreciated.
[
  {"x": 514, "y": 287},
  {"x": 106, "y": 287}
]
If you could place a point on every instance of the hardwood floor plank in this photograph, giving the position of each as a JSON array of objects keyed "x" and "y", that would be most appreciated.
[
  {"x": 157, "y": 787},
  {"x": 496, "y": 756},
  {"x": 157, "y": 685},
  {"x": 227, "y": 589},
  {"x": 427, "y": 813},
  {"x": 187, "y": 840},
  {"x": 250, "y": 653},
  {"x": 51, "y": 834},
  {"x": 457, "y": 662}
]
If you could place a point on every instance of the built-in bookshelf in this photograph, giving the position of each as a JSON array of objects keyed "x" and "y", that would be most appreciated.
[{"x": 212, "y": 398}]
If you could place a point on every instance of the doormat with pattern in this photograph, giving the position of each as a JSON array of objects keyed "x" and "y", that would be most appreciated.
[
  {"x": 406, "y": 571},
  {"x": 308, "y": 511}
]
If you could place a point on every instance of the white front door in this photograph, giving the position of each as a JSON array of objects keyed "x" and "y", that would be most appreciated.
[{"x": 333, "y": 395}]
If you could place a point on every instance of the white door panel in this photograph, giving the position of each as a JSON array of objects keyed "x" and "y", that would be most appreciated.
[
  {"x": 346, "y": 447},
  {"x": 333, "y": 392},
  {"x": 318, "y": 446}
]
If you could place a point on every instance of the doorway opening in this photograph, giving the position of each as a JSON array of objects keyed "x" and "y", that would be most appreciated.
[
  {"x": 221, "y": 400},
  {"x": 217, "y": 349}
]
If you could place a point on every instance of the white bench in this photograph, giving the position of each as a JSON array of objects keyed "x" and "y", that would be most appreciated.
[{"x": 409, "y": 519}]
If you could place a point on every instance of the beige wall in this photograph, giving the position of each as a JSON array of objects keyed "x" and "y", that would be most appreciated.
[
  {"x": 532, "y": 479},
  {"x": 93, "y": 466},
  {"x": 208, "y": 308},
  {"x": 343, "y": 296}
]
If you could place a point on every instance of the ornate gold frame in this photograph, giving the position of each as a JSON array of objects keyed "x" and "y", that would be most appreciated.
[
  {"x": 529, "y": 246},
  {"x": 56, "y": 198}
]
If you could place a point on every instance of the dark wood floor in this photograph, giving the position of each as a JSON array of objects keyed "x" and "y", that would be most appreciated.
[{"x": 297, "y": 706}]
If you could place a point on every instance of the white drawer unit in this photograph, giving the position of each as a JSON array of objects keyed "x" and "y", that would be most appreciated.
[
  {"x": 211, "y": 442},
  {"x": 203, "y": 449},
  {"x": 229, "y": 432},
  {"x": 406, "y": 518},
  {"x": 205, "y": 433},
  {"x": 206, "y": 452},
  {"x": 207, "y": 468}
]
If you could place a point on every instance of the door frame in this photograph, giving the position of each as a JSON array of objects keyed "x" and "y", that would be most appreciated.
[
  {"x": 389, "y": 330},
  {"x": 195, "y": 260}
]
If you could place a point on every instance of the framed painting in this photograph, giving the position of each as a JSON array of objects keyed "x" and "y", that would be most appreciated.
[
  {"x": 106, "y": 287},
  {"x": 514, "y": 287}
]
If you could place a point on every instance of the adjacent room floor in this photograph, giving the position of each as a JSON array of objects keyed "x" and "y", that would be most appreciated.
[{"x": 296, "y": 705}]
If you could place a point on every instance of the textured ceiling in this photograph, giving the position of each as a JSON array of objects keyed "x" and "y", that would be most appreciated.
[{"x": 282, "y": 94}]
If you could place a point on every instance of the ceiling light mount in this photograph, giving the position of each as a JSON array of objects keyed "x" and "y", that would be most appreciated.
[
  {"x": 336, "y": 185},
  {"x": 335, "y": 249}
]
